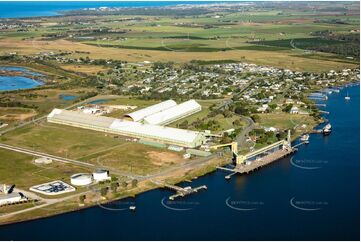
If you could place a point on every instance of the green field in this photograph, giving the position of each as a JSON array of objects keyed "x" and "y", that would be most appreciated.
[
  {"x": 254, "y": 34},
  {"x": 95, "y": 147},
  {"x": 20, "y": 169}
]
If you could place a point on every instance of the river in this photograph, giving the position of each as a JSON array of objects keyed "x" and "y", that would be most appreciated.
[{"x": 311, "y": 196}]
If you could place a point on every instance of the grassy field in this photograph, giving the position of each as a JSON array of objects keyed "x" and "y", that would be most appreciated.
[
  {"x": 19, "y": 169},
  {"x": 286, "y": 121},
  {"x": 94, "y": 147},
  {"x": 136, "y": 158}
]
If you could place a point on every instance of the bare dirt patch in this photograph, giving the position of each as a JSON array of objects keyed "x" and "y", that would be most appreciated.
[
  {"x": 16, "y": 114},
  {"x": 163, "y": 158}
]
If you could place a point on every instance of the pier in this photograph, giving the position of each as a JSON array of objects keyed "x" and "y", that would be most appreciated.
[{"x": 182, "y": 192}]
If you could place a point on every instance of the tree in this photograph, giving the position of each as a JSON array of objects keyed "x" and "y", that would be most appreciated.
[
  {"x": 288, "y": 108},
  {"x": 124, "y": 184},
  {"x": 272, "y": 106},
  {"x": 237, "y": 122},
  {"x": 134, "y": 182},
  {"x": 103, "y": 191},
  {"x": 226, "y": 139},
  {"x": 114, "y": 186},
  {"x": 256, "y": 118},
  {"x": 82, "y": 199},
  {"x": 241, "y": 110}
]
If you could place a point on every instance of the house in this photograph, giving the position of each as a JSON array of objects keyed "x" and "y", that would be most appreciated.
[{"x": 294, "y": 110}]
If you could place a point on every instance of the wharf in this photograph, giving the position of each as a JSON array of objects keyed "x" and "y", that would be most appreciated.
[{"x": 242, "y": 169}]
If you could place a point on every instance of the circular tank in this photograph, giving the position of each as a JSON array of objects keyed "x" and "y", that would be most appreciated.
[
  {"x": 101, "y": 175},
  {"x": 81, "y": 179}
]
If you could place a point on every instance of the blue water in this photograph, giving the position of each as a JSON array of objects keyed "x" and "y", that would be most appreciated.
[
  {"x": 331, "y": 191},
  {"x": 19, "y": 9},
  {"x": 98, "y": 101},
  {"x": 66, "y": 97},
  {"x": 9, "y": 83},
  {"x": 20, "y": 69}
]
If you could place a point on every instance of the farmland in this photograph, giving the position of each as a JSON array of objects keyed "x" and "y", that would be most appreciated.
[{"x": 242, "y": 33}]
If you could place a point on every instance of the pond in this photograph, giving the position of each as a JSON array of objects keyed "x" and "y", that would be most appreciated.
[
  {"x": 24, "y": 80},
  {"x": 67, "y": 97}
]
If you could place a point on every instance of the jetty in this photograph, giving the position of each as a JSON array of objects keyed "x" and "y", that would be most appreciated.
[{"x": 182, "y": 192}]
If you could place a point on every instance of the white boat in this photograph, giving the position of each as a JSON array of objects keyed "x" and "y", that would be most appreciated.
[
  {"x": 347, "y": 97},
  {"x": 304, "y": 138},
  {"x": 327, "y": 129}
]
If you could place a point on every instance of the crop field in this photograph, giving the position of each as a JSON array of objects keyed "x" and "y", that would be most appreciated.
[{"x": 254, "y": 35}]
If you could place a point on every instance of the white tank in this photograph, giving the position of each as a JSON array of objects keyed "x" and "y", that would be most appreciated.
[
  {"x": 101, "y": 175},
  {"x": 81, "y": 179}
]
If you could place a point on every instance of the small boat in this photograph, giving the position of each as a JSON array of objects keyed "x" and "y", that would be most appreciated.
[
  {"x": 327, "y": 129},
  {"x": 132, "y": 208},
  {"x": 347, "y": 97},
  {"x": 304, "y": 138}
]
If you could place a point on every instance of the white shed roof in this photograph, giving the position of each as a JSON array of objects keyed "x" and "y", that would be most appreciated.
[
  {"x": 155, "y": 131},
  {"x": 173, "y": 113},
  {"x": 142, "y": 113},
  {"x": 127, "y": 128}
]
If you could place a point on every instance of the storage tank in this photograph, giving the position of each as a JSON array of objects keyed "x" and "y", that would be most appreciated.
[
  {"x": 101, "y": 175},
  {"x": 81, "y": 179}
]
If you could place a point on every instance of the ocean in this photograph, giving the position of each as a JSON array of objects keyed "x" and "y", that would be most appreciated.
[{"x": 22, "y": 9}]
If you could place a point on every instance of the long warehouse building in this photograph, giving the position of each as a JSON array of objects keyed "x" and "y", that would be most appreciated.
[
  {"x": 166, "y": 135},
  {"x": 174, "y": 113},
  {"x": 139, "y": 115}
]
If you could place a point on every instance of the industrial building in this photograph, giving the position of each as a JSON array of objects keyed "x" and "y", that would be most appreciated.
[
  {"x": 174, "y": 113},
  {"x": 161, "y": 134},
  {"x": 10, "y": 198},
  {"x": 52, "y": 188},
  {"x": 139, "y": 115}
]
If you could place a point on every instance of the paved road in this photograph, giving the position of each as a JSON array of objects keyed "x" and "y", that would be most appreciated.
[{"x": 241, "y": 137}]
